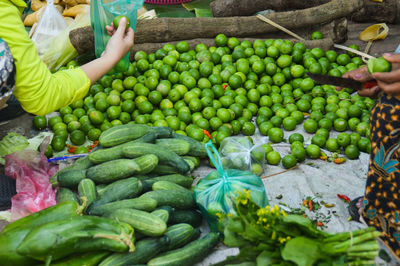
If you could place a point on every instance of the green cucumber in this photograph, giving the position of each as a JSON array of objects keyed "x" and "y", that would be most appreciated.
[
  {"x": 175, "y": 198},
  {"x": 191, "y": 164},
  {"x": 196, "y": 234},
  {"x": 85, "y": 259},
  {"x": 195, "y": 160},
  {"x": 143, "y": 204},
  {"x": 123, "y": 133},
  {"x": 141, "y": 221},
  {"x": 179, "y": 235},
  {"x": 162, "y": 214},
  {"x": 105, "y": 155},
  {"x": 179, "y": 146},
  {"x": 87, "y": 188},
  {"x": 146, "y": 163},
  {"x": 119, "y": 190},
  {"x": 64, "y": 194},
  {"x": 14, "y": 233},
  {"x": 191, "y": 217},
  {"x": 59, "y": 239},
  {"x": 181, "y": 180},
  {"x": 71, "y": 179},
  {"x": 100, "y": 188},
  {"x": 165, "y": 156},
  {"x": 162, "y": 169},
  {"x": 166, "y": 185},
  {"x": 112, "y": 170},
  {"x": 162, "y": 132},
  {"x": 80, "y": 164},
  {"x": 145, "y": 250},
  {"x": 197, "y": 148},
  {"x": 189, "y": 254}
]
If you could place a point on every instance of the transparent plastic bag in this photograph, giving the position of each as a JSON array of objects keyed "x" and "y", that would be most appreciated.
[
  {"x": 50, "y": 25},
  {"x": 32, "y": 173},
  {"x": 102, "y": 13},
  {"x": 61, "y": 50},
  {"x": 241, "y": 153},
  {"x": 215, "y": 194}
]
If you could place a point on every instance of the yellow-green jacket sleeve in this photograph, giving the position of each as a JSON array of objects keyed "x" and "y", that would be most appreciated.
[{"x": 36, "y": 88}]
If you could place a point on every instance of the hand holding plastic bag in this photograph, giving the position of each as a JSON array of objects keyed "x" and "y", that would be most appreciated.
[
  {"x": 50, "y": 25},
  {"x": 32, "y": 173},
  {"x": 102, "y": 13},
  {"x": 215, "y": 194}
]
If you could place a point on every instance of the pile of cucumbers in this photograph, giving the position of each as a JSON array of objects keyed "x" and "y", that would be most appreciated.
[
  {"x": 57, "y": 234},
  {"x": 136, "y": 180}
]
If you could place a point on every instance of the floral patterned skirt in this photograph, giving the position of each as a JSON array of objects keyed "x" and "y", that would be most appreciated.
[{"x": 381, "y": 206}]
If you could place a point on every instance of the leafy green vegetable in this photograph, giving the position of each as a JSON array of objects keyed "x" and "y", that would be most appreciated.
[
  {"x": 203, "y": 13},
  {"x": 295, "y": 249},
  {"x": 11, "y": 143},
  {"x": 270, "y": 236},
  {"x": 201, "y": 4}
]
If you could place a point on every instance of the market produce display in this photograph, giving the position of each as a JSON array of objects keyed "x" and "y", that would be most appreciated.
[
  {"x": 144, "y": 198},
  {"x": 270, "y": 236},
  {"x": 220, "y": 90}
]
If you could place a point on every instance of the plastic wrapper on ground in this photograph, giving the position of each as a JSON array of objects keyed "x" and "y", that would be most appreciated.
[{"x": 32, "y": 172}]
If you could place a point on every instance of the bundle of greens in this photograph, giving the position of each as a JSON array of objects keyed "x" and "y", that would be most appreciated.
[{"x": 269, "y": 236}]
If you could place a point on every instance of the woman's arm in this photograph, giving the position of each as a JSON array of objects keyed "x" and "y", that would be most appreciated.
[
  {"x": 38, "y": 90},
  {"x": 118, "y": 46}
]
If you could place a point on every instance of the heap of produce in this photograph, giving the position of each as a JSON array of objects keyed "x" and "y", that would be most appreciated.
[
  {"x": 221, "y": 89},
  {"x": 270, "y": 236},
  {"x": 134, "y": 194}
]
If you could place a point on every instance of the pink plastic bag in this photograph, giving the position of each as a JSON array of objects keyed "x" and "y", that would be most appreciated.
[{"x": 32, "y": 172}]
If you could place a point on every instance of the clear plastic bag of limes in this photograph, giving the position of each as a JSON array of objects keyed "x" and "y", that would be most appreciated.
[
  {"x": 241, "y": 153},
  {"x": 215, "y": 194}
]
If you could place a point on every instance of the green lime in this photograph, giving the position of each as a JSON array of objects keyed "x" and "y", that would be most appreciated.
[
  {"x": 40, "y": 122},
  {"x": 54, "y": 120},
  {"x": 273, "y": 158},
  {"x": 310, "y": 126},
  {"x": 340, "y": 124},
  {"x": 352, "y": 152},
  {"x": 73, "y": 125},
  {"x": 94, "y": 134},
  {"x": 364, "y": 145},
  {"x": 296, "y": 137},
  {"x": 313, "y": 151},
  {"x": 248, "y": 129},
  {"x": 299, "y": 153},
  {"x": 62, "y": 133},
  {"x": 275, "y": 135},
  {"x": 117, "y": 20},
  {"x": 379, "y": 64},
  {"x": 343, "y": 139},
  {"x": 318, "y": 140},
  {"x": 317, "y": 35},
  {"x": 289, "y": 123},
  {"x": 289, "y": 161},
  {"x": 81, "y": 150},
  {"x": 58, "y": 143},
  {"x": 96, "y": 117},
  {"x": 77, "y": 137}
]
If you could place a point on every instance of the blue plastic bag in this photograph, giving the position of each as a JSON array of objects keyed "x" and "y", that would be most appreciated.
[
  {"x": 215, "y": 194},
  {"x": 102, "y": 13}
]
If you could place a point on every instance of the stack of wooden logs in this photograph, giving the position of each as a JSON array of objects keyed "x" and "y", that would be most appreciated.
[{"x": 237, "y": 19}]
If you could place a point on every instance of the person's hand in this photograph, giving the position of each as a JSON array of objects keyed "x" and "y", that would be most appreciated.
[
  {"x": 120, "y": 43},
  {"x": 389, "y": 82},
  {"x": 362, "y": 75}
]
